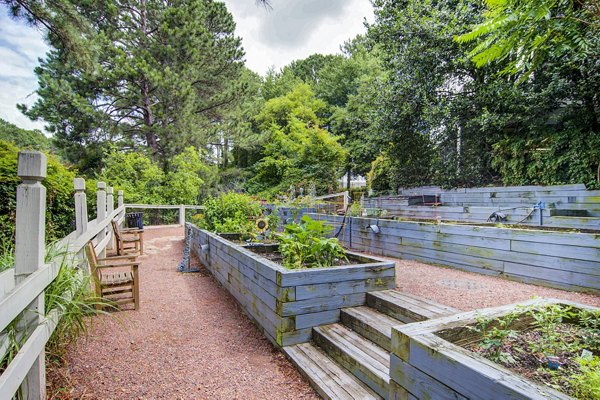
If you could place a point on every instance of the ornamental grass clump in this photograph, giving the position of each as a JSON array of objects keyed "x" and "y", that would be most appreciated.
[{"x": 305, "y": 245}]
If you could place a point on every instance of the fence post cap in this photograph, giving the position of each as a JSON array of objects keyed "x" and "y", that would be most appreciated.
[
  {"x": 79, "y": 184},
  {"x": 32, "y": 165},
  {"x": 109, "y": 190},
  {"x": 119, "y": 192},
  {"x": 101, "y": 185}
]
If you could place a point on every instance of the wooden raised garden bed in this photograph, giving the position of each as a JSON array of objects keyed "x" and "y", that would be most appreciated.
[
  {"x": 429, "y": 359},
  {"x": 286, "y": 304}
]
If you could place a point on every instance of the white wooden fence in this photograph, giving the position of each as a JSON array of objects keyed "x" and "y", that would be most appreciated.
[{"x": 22, "y": 288}]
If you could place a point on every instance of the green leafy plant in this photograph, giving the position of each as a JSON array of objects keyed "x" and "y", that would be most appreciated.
[
  {"x": 546, "y": 320},
  {"x": 305, "y": 245},
  {"x": 494, "y": 333},
  {"x": 230, "y": 213},
  {"x": 590, "y": 321},
  {"x": 586, "y": 384}
]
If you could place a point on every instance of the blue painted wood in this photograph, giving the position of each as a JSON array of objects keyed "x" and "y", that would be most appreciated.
[
  {"x": 317, "y": 319},
  {"x": 421, "y": 385},
  {"x": 336, "y": 274},
  {"x": 320, "y": 304},
  {"x": 344, "y": 287},
  {"x": 572, "y": 252},
  {"x": 557, "y": 277},
  {"x": 295, "y": 337},
  {"x": 480, "y": 380}
]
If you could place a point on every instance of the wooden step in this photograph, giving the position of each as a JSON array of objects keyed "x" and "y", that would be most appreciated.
[
  {"x": 367, "y": 361},
  {"x": 375, "y": 326},
  {"x": 406, "y": 307},
  {"x": 328, "y": 378}
]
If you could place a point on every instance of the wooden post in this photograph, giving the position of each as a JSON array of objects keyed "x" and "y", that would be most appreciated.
[
  {"x": 110, "y": 207},
  {"x": 101, "y": 211},
  {"x": 182, "y": 215},
  {"x": 81, "y": 212},
  {"x": 30, "y": 245},
  {"x": 120, "y": 201}
]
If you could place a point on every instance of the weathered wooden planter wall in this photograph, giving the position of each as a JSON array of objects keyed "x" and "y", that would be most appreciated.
[
  {"x": 567, "y": 206},
  {"x": 286, "y": 304},
  {"x": 565, "y": 260},
  {"x": 424, "y": 365}
]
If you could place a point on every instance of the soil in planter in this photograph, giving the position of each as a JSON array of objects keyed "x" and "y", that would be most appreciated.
[{"x": 575, "y": 345}]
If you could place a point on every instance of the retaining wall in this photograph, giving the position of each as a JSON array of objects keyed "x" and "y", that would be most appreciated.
[
  {"x": 564, "y": 260},
  {"x": 567, "y": 206},
  {"x": 284, "y": 303},
  {"x": 423, "y": 365}
]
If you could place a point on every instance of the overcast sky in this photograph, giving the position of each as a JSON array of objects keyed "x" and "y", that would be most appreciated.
[{"x": 290, "y": 30}]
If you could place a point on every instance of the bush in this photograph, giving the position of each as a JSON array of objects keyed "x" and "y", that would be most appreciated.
[
  {"x": 59, "y": 183},
  {"x": 305, "y": 245},
  {"x": 230, "y": 213}
]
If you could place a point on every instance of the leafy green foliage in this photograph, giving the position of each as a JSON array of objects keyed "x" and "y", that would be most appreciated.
[
  {"x": 586, "y": 384},
  {"x": 305, "y": 245},
  {"x": 546, "y": 319},
  {"x": 298, "y": 151},
  {"x": 230, "y": 213},
  {"x": 164, "y": 72},
  {"x": 444, "y": 121},
  {"x": 23, "y": 138},
  {"x": 59, "y": 205},
  {"x": 187, "y": 179},
  {"x": 521, "y": 34}
]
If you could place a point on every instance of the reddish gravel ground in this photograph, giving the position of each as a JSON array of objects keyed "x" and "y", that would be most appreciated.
[
  {"x": 189, "y": 340},
  {"x": 469, "y": 291}
]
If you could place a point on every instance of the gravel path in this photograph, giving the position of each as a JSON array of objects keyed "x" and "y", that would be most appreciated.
[
  {"x": 189, "y": 340},
  {"x": 469, "y": 291}
]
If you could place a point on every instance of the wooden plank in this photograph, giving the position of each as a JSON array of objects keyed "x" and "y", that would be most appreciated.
[
  {"x": 561, "y": 278},
  {"x": 472, "y": 376},
  {"x": 335, "y": 274},
  {"x": 344, "y": 287},
  {"x": 28, "y": 354},
  {"x": 319, "y": 304},
  {"x": 327, "y": 377},
  {"x": 553, "y": 249},
  {"x": 421, "y": 385},
  {"x": 317, "y": 319},
  {"x": 373, "y": 325},
  {"x": 364, "y": 359},
  {"x": 7, "y": 282},
  {"x": 25, "y": 292},
  {"x": 295, "y": 337}
]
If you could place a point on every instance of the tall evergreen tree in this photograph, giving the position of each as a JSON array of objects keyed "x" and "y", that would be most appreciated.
[{"x": 165, "y": 72}]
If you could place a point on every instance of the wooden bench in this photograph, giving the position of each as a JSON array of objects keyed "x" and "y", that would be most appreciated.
[
  {"x": 116, "y": 278},
  {"x": 129, "y": 241}
]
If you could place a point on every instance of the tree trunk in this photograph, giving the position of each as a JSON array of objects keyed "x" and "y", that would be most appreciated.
[
  {"x": 348, "y": 177},
  {"x": 151, "y": 139},
  {"x": 225, "y": 153}
]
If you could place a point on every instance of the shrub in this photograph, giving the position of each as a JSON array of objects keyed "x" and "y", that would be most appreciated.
[
  {"x": 59, "y": 192},
  {"x": 230, "y": 213},
  {"x": 304, "y": 245}
]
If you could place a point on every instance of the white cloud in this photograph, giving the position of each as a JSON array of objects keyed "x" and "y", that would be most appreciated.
[
  {"x": 20, "y": 48},
  {"x": 295, "y": 29}
]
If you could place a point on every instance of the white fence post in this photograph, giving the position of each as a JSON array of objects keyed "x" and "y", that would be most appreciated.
[
  {"x": 101, "y": 212},
  {"x": 181, "y": 214},
  {"x": 110, "y": 207},
  {"x": 30, "y": 245},
  {"x": 119, "y": 198},
  {"x": 81, "y": 212}
]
